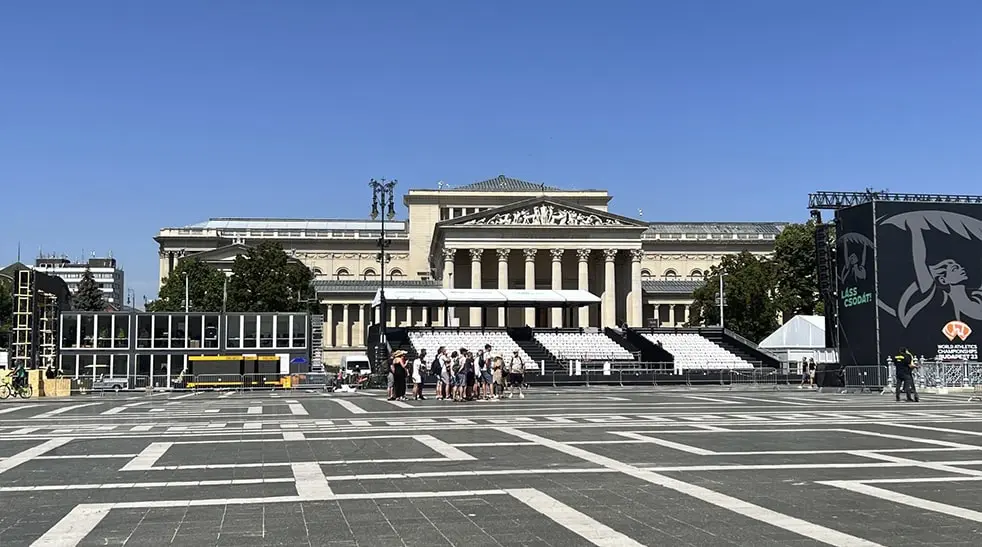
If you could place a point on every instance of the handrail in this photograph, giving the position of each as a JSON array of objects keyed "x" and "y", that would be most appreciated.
[{"x": 753, "y": 345}]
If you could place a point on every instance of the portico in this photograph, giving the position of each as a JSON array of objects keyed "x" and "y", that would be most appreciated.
[{"x": 544, "y": 243}]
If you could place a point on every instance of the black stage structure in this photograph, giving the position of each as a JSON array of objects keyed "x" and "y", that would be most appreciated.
[{"x": 900, "y": 270}]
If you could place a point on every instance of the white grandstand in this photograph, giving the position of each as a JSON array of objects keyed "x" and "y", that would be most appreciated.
[
  {"x": 692, "y": 351},
  {"x": 474, "y": 340},
  {"x": 582, "y": 346}
]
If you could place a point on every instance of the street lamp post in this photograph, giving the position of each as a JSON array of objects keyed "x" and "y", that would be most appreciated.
[
  {"x": 187, "y": 293},
  {"x": 383, "y": 207}
]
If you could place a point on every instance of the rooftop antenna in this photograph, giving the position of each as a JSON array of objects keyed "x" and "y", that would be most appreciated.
[
  {"x": 18, "y": 251},
  {"x": 640, "y": 213},
  {"x": 440, "y": 185}
]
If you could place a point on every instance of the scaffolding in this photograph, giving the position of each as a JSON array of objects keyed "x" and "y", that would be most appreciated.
[
  {"x": 23, "y": 348},
  {"x": 47, "y": 330}
]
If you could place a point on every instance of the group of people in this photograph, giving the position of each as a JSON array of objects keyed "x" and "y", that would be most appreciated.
[{"x": 460, "y": 375}]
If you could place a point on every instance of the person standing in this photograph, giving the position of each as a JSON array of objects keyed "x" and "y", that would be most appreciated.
[
  {"x": 516, "y": 375},
  {"x": 904, "y": 363},
  {"x": 419, "y": 373},
  {"x": 400, "y": 375}
]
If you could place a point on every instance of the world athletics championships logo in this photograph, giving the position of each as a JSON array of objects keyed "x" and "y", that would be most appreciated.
[{"x": 957, "y": 329}]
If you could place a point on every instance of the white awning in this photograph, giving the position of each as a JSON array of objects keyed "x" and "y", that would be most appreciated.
[{"x": 513, "y": 298}]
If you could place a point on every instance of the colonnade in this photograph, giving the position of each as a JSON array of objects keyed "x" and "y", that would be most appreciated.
[{"x": 609, "y": 292}]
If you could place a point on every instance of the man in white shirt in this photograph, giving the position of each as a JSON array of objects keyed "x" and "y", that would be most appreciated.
[
  {"x": 516, "y": 375},
  {"x": 419, "y": 373}
]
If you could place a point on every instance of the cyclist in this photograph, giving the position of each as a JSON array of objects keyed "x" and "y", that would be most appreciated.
[{"x": 20, "y": 376}]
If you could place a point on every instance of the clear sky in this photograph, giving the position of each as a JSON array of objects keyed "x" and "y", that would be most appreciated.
[{"x": 118, "y": 118}]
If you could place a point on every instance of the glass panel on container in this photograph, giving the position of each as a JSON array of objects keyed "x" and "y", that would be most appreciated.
[
  {"x": 195, "y": 332},
  {"x": 86, "y": 366},
  {"x": 178, "y": 330},
  {"x": 299, "y": 331},
  {"x": 119, "y": 366},
  {"x": 211, "y": 331},
  {"x": 283, "y": 331},
  {"x": 102, "y": 362},
  {"x": 249, "y": 338},
  {"x": 88, "y": 330},
  {"x": 266, "y": 330},
  {"x": 143, "y": 331},
  {"x": 104, "y": 330},
  {"x": 122, "y": 334},
  {"x": 161, "y": 330},
  {"x": 69, "y": 330},
  {"x": 233, "y": 330}
]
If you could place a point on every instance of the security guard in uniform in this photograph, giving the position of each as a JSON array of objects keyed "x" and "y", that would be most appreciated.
[{"x": 904, "y": 362}]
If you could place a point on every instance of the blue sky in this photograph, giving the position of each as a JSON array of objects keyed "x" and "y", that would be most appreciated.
[{"x": 119, "y": 118}]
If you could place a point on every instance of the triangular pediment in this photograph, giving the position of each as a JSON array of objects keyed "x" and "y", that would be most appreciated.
[
  {"x": 543, "y": 212},
  {"x": 221, "y": 254}
]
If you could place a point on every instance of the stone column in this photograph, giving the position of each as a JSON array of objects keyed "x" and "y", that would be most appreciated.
[
  {"x": 426, "y": 316},
  {"x": 557, "y": 283},
  {"x": 609, "y": 301},
  {"x": 346, "y": 320},
  {"x": 362, "y": 329},
  {"x": 530, "y": 282},
  {"x": 329, "y": 319},
  {"x": 503, "y": 255},
  {"x": 635, "y": 303},
  {"x": 583, "y": 282},
  {"x": 476, "y": 255},
  {"x": 448, "y": 257},
  {"x": 392, "y": 316},
  {"x": 671, "y": 315}
]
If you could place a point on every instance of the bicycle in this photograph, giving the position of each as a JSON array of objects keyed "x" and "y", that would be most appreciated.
[{"x": 7, "y": 389}]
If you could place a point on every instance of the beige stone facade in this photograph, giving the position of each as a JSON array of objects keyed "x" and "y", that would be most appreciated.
[{"x": 500, "y": 233}]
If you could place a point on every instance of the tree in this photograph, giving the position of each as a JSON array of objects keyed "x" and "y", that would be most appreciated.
[
  {"x": 206, "y": 287},
  {"x": 265, "y": 279},
  {"x": 88, "y": 297},
  {"x": 6, "y": 311},
  {"x": 748, "y": 285},
  {"x": 796, "y": 270}
]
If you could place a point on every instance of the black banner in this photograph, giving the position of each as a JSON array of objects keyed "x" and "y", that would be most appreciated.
[
  {"x": 930, "y": 285},
  {"x": 855, "y": 275}
]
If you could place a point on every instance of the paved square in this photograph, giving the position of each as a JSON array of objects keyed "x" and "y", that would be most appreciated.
[{"x": 602, "y": 466}]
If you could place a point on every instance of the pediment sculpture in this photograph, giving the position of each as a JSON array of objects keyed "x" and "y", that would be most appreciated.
[{"x": 546, "y": 215}]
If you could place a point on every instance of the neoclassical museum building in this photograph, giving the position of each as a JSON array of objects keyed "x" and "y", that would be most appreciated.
[{"x": 500, "y": 233}]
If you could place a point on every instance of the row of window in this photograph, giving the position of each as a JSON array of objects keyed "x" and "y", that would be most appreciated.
[
  {"x": 672, "y": 274},
  {"x": 167, "y": 331},
  {"x": 368, "y": 274}
]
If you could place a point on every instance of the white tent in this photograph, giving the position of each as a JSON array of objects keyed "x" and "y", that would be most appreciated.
[{"x": 803, "y": 336}]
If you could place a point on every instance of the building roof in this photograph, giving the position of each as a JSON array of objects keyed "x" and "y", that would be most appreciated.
[
  {"x": 502, "y": 183},
  {"x": 671, "y": 286},
  {"x": 765, "y": 228},
  {"x": 233, "y": 223},
  {"x": 368, "y": 285}
]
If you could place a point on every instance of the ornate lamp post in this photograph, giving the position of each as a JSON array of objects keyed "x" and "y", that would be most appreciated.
[{"x": 383, "y": 205}]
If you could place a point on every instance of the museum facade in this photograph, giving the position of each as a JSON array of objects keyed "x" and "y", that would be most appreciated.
[{"x": 500, "y": 233}]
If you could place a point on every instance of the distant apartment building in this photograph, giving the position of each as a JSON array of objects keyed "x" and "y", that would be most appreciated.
[{"x": 104, "y": 270}]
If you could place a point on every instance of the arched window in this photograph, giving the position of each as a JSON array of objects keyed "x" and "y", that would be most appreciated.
[
  {"x": 369, "y": 274},
  {"x": 696, "y": 274},
  {"x": 396, "y": 273},
  {"x": 645, "y": 274},
  {"x": 316, "y": 272},
  {"x": 671, "y": 274},
  {"x": 342, "y": 273}
]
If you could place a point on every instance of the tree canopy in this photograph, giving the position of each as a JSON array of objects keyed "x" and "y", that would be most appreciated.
[
  {"x": 88, "y": 296},
  {"x": 760, "y": 288},
  {"x": 206, "y": 287},
  {"x": 265, "y": 279},
  {"x": 6, "y": 311}
]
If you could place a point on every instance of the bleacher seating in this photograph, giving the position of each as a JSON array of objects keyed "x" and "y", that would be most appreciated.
[
  {"x": 692, "y": 351},
  {"x": 474, "y": 340},
  {"x": 582, "y": 346}
]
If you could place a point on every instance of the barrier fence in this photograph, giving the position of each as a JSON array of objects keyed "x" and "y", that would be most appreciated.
[{"x": 965, "y": 376}]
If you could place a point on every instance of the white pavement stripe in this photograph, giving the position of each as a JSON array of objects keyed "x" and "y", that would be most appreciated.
[
  {"x": 741, "y": 507},
  {"x": 31, "y": 453},
  {"x": 667, "y": 444},
  {"x": 141, "y": 428},
  {"x": 293, "y": 436},
  {"x": 400, "y": 404},
  {"x": 213, "y": 411},
  {"x": 19, "y": 407},
  {"x": 904, "y": 499},
  {"x": 72, "y": 529},
  {"x": 360, "y": 423},
  {"x": 938, "y": 429},
  {"x": 444, "y": 449},
  {"x": 25, "y": 430},
  {"x": 297, "y": 409},
  {"x": 252, "y": 425},
  {"x": 914, "y": 463},
  {"x": 573, "y": 520},
  {"x": 129, "y": 485},
  {"x": 778, "y": 401},
  {"x": 712, "y": 400},
  {"x": 185, "y": 396},
  {"x": 255, "y": 410},
  {"x": 147, "y": 458},
  {"x": 310, "y": 480},
  {"x": 64, "y": 409},
  {"x": 349, "y": 406}
]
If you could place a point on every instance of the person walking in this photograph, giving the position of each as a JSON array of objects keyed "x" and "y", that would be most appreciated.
[
  {"x": 419, "y": 373},
  {"x": 904, "y": 363}
]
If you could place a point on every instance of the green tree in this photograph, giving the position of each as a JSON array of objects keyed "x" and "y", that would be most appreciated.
[
  {"x": 206, "y": 287},
  {"x": 265, "y": 279},
  {"x": 88, "y": 297},
  {"x": 6, "y": 311},
  {"x": 749, "y": 286},
  {"x": 796, "y": 271}
]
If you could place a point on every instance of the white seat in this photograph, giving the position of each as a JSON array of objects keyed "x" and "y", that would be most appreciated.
[
  {"x": 582, "y": 346},
  {"x": 501, "y": 343},
  {"x": 692, "y": 351}
]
